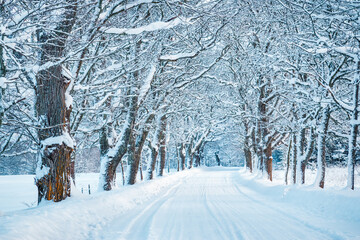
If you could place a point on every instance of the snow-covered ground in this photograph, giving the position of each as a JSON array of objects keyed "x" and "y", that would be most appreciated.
[{"x": 205, "y": 203}]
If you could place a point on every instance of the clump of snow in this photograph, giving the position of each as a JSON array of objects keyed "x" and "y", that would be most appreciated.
[
  {"x": 175, "y": 57},
  {"x": 41, "y": 171},
  {"x": 68, "y": 98},
  {"x": 2, "y": 82},
  {"x": 159, "y": 25},
  {"x": 147, "y": 83},
  {"x": 64, "y": 138}
]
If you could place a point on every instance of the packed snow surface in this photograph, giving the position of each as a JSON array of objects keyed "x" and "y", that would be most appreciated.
[{"x": 205, "y": 203}]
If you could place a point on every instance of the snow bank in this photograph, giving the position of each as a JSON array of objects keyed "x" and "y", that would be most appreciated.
[
  {"x": 75, "y": 217},
  {"x": 339, "y": 204}
]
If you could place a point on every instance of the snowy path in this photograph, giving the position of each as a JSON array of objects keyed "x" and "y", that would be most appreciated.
[
  {"x": 212, "y": 204},
  {"x": 206, "y": 203}
]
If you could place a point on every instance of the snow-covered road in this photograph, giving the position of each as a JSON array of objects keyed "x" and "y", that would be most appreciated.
[
  {"x": 214, "y": 204},
  {"x": 206, "y": 203}
]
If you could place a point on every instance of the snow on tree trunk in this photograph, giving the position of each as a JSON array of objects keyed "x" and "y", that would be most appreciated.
[
  {"x": 155, "y": 148},
  {"x": 134, "y": 154},
  {"x": 113, "y": 157},
  {"x": 354, "y": 131},
  {"x": 53, "y": 108},
  {"x": 2, "y": 84},
  {"x": 263, "y": 134},
  {"x": 321, "y": 163},
  {"x": 152, "y": 163},
  {"x": 195, "y": 151},
  {"x": 191, "y": 161},
  {"x": 141, "y": 141}
]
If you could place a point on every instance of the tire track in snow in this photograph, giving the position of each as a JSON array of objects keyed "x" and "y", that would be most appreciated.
[
  {"x": 211, "y": 204},
  {"x": 140, "y": 218},
  {"x": 284, "y": 215}
]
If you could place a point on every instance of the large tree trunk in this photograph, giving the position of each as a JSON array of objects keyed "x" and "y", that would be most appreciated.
[
  {"x": 53, "y": 112},
  {"x": 113, "y": 156},
  {"x": 294, "y": 158},
  {"x": 191, "y": 161},
  {"x": 154, "y": 152},
  {"x": 133, "y": 161},
  {"x": 178, "y": 158},
  {"x": 151, "y": 166},
  {"x": 162, "y": 145},
  {"x": 354, "y": 132},
  {"x": 190, "y": 155},
  {"x": 266, "y": 142},
  {"x": 182, "y": 154},
  {"x": 268, "y": 161},
  {"x": 304, "y": 154},
  {"x": 159, "y": 141},
  {"x": 141, "y": 141},
  {"x": 2, "y": 87},
  {"x": 321, "y": 157},
  {"x": 197, "y": 158},
  {"x": 288, "y": 160},
  {"x": 247, "y": 151},
  {"x": 255, "y": 147},
  {"x": 135, "y": 156}
]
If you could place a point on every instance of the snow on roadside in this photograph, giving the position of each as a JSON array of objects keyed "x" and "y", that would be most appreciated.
[
  {"x": 334, "y": 202},
  {"x": 78, "y": 215}
]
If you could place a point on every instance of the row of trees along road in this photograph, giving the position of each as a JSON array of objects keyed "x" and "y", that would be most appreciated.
[{"x": 139, "y": 79}]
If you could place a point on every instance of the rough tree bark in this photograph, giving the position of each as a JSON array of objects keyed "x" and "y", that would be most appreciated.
[
  {"x": 141, "y": 141},
  {"x": 321, "y": 163},
  {"x": 247, "y": 151},
  {"x": 151, "y": 166},
  {"x": 354, "y": 131},
  {"x": 162, "y": 144},
  {"x": 2, "y": 87},
  {"x": 112, "y": 158},
  {"x": 133, "y": 161},
  {"x": 294, "y": 158},
  {"x": 135, "y": 155},
  {"x": 182, "y": 154},
  {"x": 159, "y": 141},
  {"x": 217, "y": 159},
  {"x": 288, "y": 161},
  {"x": 264, "y": 141},
  {"x": 53, "y": 112},
  {"x": 190, "y": 155},
  {"x": 178, "y": 158},
  {"x": 197, "y": 158},
  {"x": 304, "y": 154}
]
